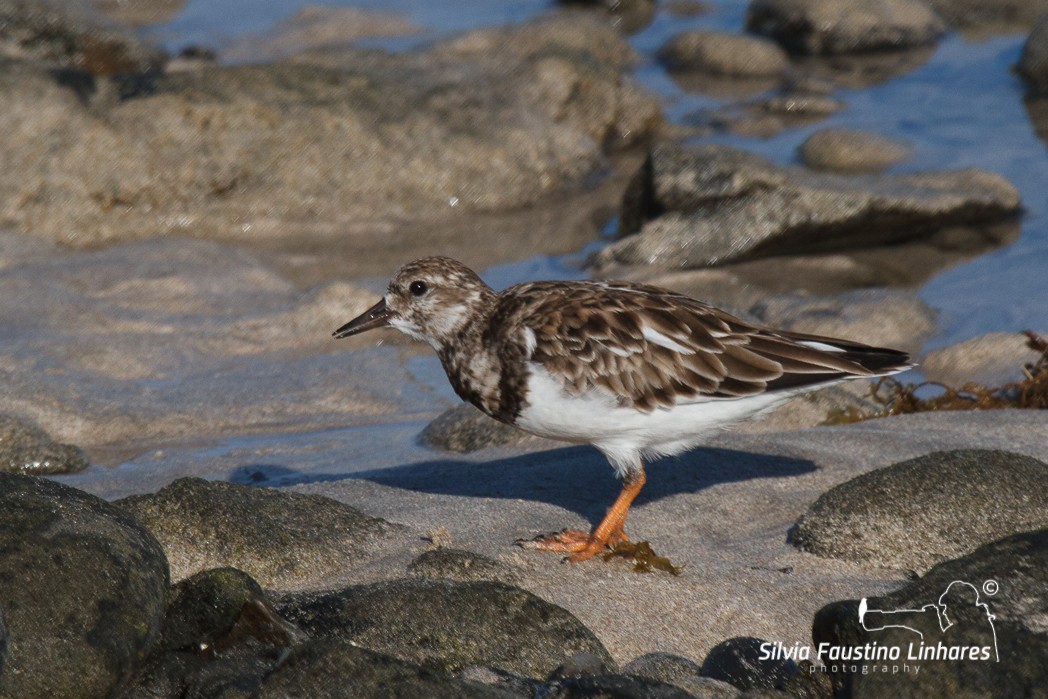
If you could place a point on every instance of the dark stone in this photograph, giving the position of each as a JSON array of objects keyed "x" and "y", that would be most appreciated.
[
  {"x": 206, "y": 606},
  {"x": 221, "y": 637},
  {"x": 455, "y": 564},
  {"x": 332, "y": 668},
  {"x": 82, "y": 589},
  {"x": 3, "y": 641},
  {"x": 680, "y": 672},
  {"x": 25, "y": 448},
  {"x": 709, "y": 205},
  {"x": 580, "y": 665},
  {"x": 616, "y": 687},
  {"x": 446, "y": 625},
  {"x": 916, "y": 513},
  {"x": 996, "y": 595},
  {"x": 738, "y": 662},
  {"x": 844, "y": 26},
  {"x": 280, "y": 539}
]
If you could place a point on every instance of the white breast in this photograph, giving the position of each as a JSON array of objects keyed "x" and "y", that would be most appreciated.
[{"x": 624, "y": 434}]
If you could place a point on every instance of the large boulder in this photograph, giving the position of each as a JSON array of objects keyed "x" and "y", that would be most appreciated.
[
  {"x": 919, "y": 512},
  {"x": 280, "y": 539},
  {"x": 991, "y": 603},
  {"x": 708, "y": 205},
  {"x": 82, "y": 595}
]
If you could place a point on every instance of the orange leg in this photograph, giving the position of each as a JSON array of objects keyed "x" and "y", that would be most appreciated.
[{"x": 608, "y": 533}]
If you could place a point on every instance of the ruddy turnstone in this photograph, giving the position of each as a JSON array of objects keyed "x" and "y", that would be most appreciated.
[{"x": 636, "y": 371}]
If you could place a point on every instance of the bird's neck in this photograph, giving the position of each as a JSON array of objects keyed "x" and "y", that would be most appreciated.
[{"x": 472, "y": 363}]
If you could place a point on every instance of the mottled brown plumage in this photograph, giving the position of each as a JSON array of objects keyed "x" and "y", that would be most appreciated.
[{"x": 632, "y": 369}]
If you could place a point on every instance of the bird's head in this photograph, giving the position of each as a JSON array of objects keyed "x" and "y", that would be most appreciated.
[{"x": 431, "y": 299}]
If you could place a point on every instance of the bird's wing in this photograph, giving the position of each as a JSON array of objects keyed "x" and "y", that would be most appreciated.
[{"x": 651, "y": 348}]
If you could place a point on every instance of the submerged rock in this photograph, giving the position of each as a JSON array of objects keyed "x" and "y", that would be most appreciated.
[
  {"x": 993, "y": 601},
  {"x": 25, "y": 448},
  {"x": 919, "y": 512},
  {"x": 445, "y": 625},
  {"x": 844, "y": 26},
  {"x": 280, "y": 539},
  {"x": 82, "y": 589},
  {"x": 691, "y": 207}
]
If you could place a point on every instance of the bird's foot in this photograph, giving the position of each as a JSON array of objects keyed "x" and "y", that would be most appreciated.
[{"x": 581, "y": 545}]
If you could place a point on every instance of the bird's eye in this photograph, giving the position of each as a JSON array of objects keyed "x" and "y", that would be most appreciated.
[{"x": 418, "y": 288}]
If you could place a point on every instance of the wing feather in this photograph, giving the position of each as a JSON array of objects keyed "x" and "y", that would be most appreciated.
[{"x": 649, "y": 347}]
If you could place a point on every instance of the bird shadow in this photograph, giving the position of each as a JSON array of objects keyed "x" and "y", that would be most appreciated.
[{"x": 577, "y": 478}]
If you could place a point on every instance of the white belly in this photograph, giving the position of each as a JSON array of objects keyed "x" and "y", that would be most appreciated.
[{"x": 625, "y": 434}]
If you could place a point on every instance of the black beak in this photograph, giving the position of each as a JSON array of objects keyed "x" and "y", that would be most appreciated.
[{"x": 375, "y": 317}]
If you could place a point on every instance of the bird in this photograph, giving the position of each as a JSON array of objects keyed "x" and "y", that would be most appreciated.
[{"x": 638, "y": 371}]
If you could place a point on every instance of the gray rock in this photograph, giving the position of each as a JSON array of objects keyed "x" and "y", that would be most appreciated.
[
  {"x": 844, "y": 26},
  {"x": 738, "y": 662},
  {"x": 722, "y": 53},
  {"x": 1007, "y": 579},
  {"x": 83, "y": 591},
  {"x": 713, "y": 204},
  {"x": 626, "y": 15},
  {"x": 681, "y": 672},
  {"x": 980, "y": 18},
  {"x": 332, "y": 668},
  {"x": 446, "y": 625},
  {"x": 69, "y": 35},
  {"x": 236, "y": 151},
  {"x": 1033, "y": 63},
  {"x": 882, "y": 317},
  {"x": 454, "y": 564},
  {"x": 280, "y": 539},
  {"x": 464, "y": 429},
  {"x": 992, "y": 360},
  {"x": 916, "y": 513},
  {"x": 851, "y": 150},
  {"x": 25, "y": 448}
]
